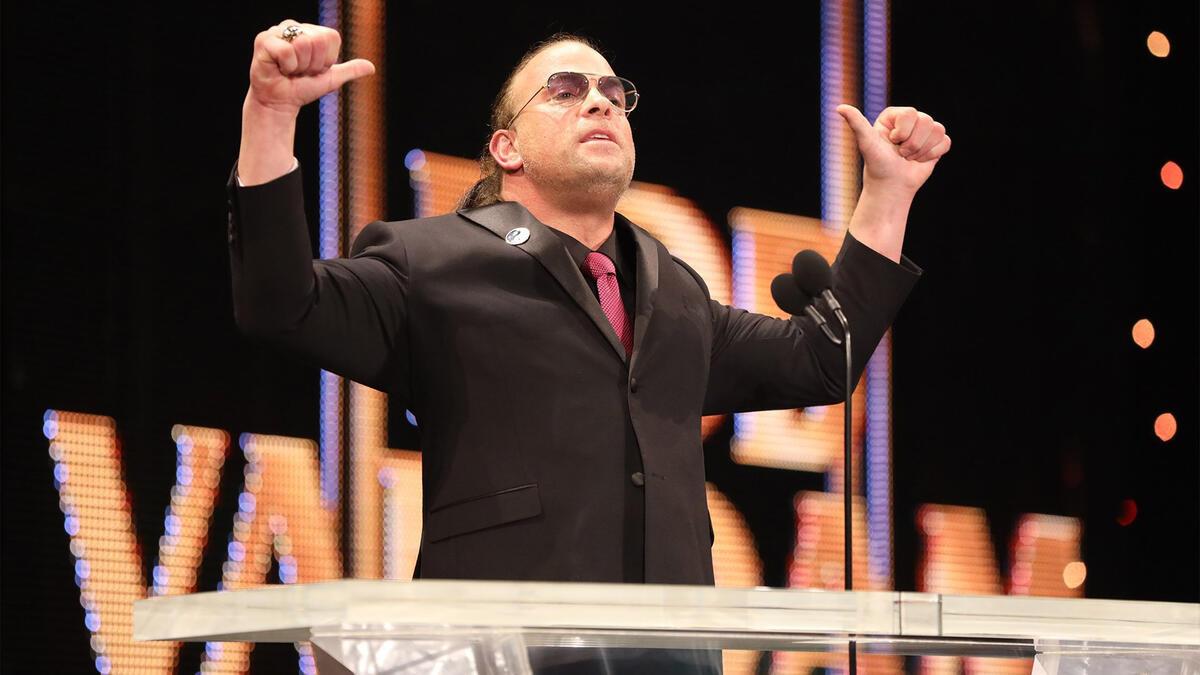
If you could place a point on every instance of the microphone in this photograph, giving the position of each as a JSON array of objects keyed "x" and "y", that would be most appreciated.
[
  {"x": 787, "y": 294},
  {"x": 814, "y": 277}
]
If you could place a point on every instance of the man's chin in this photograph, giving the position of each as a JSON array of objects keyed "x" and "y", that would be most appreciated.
[
  {"x": 612, "y": 174},
  {"x": 599, "y": 181}
]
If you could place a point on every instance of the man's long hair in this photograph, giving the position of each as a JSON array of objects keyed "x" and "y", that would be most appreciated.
[{"x": 486, "y": 190}]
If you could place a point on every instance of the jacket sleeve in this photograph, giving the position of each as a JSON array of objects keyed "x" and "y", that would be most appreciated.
[
  {"x": 760, "y": 362},
  {"x": 346, "y": 315}
]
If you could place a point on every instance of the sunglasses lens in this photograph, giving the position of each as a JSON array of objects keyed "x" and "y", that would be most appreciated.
[
  {"x": 572, "y": 88},
  {"x": 618, "y": 90},
  {"x": 567, "y": 87}
]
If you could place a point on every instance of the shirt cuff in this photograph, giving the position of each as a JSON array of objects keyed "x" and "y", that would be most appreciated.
[{"x": 295, "y": 165}]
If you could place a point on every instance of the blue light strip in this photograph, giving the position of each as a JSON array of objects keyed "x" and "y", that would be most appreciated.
[
  {"x": 742, "y": 244},
  {"x": 330, "y": 245},
  {"x": 183, "y": 484},
  {"x": 878, "y": 461},
  {"x": 833, "y": 72}
]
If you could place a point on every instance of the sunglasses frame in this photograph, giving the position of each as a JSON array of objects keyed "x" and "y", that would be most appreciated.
[{"x": 591, "y": 77}]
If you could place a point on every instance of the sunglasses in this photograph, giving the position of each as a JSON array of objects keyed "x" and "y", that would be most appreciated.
[{"x": 570, "y": 89}]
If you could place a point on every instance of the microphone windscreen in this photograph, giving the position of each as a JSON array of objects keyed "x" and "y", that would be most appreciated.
[
  {"x": 788, "y": 295},
  {"x": 811, "y": 272}
]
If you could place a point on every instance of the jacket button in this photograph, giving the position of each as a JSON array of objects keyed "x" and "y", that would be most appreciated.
[
  {"x": 638, "y": 478},
  {"x": 633, "y": 384}
]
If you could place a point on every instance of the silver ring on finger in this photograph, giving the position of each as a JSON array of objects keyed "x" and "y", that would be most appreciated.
[{"x": 291, "y": 32}]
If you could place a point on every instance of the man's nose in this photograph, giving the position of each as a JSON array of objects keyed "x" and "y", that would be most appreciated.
[{"x": 595, "y": 103}]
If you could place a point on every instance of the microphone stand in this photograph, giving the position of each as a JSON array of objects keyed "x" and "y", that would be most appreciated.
[{"x": 847, "y": 472}]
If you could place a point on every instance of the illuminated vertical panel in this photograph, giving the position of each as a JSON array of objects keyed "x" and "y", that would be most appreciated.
[
  {"x": 108, "y": 561},
  {"x": 876, "y": 57},
  {"x": 97, "y": 517},
  {"x": 386, "y": 492},
  {"x": 201, "y": 456},
  {"x": 735, "y": 564},
  {"x": 366, "y": 201},
  {"x": 400, "y": 479},
  {"x": 817, "y": 559},
  {"x": 957, "y": 556},
  {"x": 839, "y": 84},
  {"x": 735, "y": 555},
  {"x": 329, "y": 131},
  {"x": 817, "y": 563},
  {"x": 279, "y": 518},
  {"x": 876, "y": 62},
  {"x": 801, "y": 440},
  {"x": 438, "y": 181},
  {"x": 366, "y": 135},
  {"x": 1041, "y": 549}
]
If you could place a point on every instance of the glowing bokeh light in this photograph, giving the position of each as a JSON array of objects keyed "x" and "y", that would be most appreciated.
[
  {"x": 1128, "y": 513},
  {"x": 1143, "y": 333},
  {"x": 1074, "y": 573},
  {"x": 1158, "y": 44},
  {"x": 1165, "y": 426},
  {"x": 1171, "y": 175}
]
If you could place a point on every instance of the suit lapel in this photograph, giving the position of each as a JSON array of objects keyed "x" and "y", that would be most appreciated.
[
  {"x": 647, "y": 281},
  {"x": 547, "y": 249}
]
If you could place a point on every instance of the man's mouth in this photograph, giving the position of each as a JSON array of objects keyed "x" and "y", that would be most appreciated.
[{"x": 598, "y": 136}]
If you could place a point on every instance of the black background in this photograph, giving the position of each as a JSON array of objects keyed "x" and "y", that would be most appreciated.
[{"x": 1044, "y": 235}]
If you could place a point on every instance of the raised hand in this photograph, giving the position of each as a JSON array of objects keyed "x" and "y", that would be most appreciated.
[
  {"x": 287, "y": 74},
  {"x": 900, "y": 150},
  {"x": 294, "y": 64}
]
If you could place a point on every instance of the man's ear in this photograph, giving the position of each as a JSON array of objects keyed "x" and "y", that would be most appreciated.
[{"x": 504, "y": 150}]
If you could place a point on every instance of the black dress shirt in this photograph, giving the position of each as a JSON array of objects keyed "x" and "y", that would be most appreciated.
[{"x": 619, "y": 248}]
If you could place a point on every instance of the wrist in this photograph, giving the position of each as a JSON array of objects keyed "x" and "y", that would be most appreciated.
[
  {"x": 268, "y": 141},
  {"x": 267, "y": 116},
  {"x": 880, "y": 218},
  {"x": 887, "y": 192}
]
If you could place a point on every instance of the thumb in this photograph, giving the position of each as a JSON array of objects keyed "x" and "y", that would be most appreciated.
[
  {"x": 351, "y": 70},
  {"x": 858, "y": 123}
]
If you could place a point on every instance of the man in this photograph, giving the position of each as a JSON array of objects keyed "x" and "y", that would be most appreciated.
[{"x": 556, "y": 356}]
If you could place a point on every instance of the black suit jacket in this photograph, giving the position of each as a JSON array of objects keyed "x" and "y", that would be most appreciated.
[{"x": 522, "y": 391}]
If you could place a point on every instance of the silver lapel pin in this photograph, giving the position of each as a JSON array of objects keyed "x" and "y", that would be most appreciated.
[{"x": 517, "y": 235}]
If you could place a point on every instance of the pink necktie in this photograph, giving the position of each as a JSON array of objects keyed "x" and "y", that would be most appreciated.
[{"x": 605, "y": 274}]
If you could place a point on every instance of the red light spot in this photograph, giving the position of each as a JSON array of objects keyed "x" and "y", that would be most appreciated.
[
  {"x": 1172, "y": 175},
  {"x": 1165, "y": 427},
  {"x": 1143, "y": 333},
  {"x": 1128, "y": 513},
  {"x": 1158, "y": 44}
]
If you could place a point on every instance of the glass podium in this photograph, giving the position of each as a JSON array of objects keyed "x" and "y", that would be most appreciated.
[{"x": 494, "y": 628}]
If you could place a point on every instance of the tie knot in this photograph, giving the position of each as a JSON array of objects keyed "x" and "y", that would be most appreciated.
[{"x": 598, "y": 264}]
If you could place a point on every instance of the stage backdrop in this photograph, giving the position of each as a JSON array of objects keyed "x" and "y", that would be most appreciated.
[{"x": 1027, "y": 428}]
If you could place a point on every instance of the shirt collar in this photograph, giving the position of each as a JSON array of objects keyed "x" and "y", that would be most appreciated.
[{"x": 611, "y": 248}]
